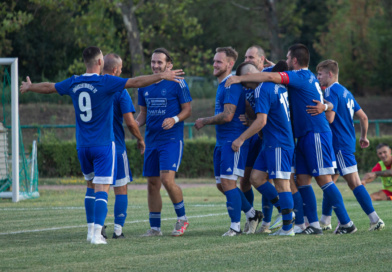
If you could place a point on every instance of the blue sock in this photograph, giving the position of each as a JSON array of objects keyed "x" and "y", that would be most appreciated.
[
  {"x": 179, "y": 208},
  {"x": 120, "y": 209},
  {"x": 233, "y": 204},
  {"x": 245, "y": 206},
  {"x": 89, "y": 205},
  {"x": 286, "y": 205},
  {"x": 267, "y": 209},
  {"x": 101, "y": 207},
  {"x": 363, "y": 198},
  {"x": 334, "y": 197},
  {"x": 155, "y": 219},
  {"x": 250, "y": 196},
  {"x": 298, "y": 208},
  {"x": 269, "y": 191},
  {"x": 326, "y": 207},
  {"x": 310, "y": 203}
]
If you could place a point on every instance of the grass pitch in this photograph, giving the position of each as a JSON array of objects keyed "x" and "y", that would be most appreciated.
[{"x": 49, "y": 234}]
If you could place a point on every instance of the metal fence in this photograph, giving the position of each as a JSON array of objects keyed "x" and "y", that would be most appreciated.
[{"x": 188, "y": 127}]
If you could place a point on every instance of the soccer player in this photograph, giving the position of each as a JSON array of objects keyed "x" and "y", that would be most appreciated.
[
  {"x": 314, "y": 151},
  {"x": 229, "y": 165},
  {"x": 92, "y": 97},
  {"x": 381, "y": 169},
  {"x": 343, "y": 132},
  {"x": 275, "y": 159},
  {"x": 256, "y": 55},
  {"x": 163, "y": 108},
  {"x": 123, "y": 110}
]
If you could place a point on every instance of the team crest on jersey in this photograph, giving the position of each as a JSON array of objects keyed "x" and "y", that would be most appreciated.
[
  {"x": 163, "y": 92},
  {"x": 146, "y": 94}
]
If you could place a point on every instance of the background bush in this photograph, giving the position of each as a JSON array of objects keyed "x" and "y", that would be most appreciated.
[{"x": 60, "y": 159}]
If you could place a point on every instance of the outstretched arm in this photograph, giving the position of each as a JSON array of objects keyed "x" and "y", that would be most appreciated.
[
  {"x": 42, "y": 88},
  {"x": 221, "y": 118},
  {"x": 186, "y": 111},
  {"x": 256, "y": 77},
  {"x": 363, "y": 120},
  {"x": 256, "y": 126},
  {"x": 134, "y": 129},
  {"x": 143, "y": 81}
]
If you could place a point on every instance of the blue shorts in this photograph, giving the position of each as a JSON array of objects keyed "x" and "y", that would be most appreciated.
[
  {"x": 229, "y": 164},
  {"x": 315, "y": 155},
  {"x": 98, "y": 163},
  {"x": 254, "y": 149},
  {"x": 163, "y": 157},
  {"x": 346, "y": 162},
  {"x": 275, "y": 161},
  {"x": 124, "y": 174}
]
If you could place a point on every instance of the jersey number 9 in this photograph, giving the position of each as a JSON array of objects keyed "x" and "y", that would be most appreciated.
[{"x": 85, "y": 107}]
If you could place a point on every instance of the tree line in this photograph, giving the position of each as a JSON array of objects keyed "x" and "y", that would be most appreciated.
[{"x": 48, "y": 36}]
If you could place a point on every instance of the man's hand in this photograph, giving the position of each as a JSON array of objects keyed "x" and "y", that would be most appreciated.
[
  {"x": 232, "y": 80},
  {"x": 317, "y": 109},
  {"x": 168, "y": 123},
  {"x": 173, "y": 75},
  {"x": 199, "y": 123},
  {"x": 368, "y": 177},
  {"x": 245, "y": 121},
  {"x": 141, "y": 146},
  {"x": 268, "y": 63},
  {"x": 237, "y": 144},
  {"x": 364, "y": 142},
  {"x": 24, "y": 88}
]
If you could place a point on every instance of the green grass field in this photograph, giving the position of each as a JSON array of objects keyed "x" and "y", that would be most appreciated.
[{"x": 49, "y": 234}]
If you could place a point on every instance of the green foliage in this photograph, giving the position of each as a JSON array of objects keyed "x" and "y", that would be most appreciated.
[{"x": 59, "y": 159}]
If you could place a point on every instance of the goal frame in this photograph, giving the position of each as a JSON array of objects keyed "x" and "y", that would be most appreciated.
[{"x": 15, "y": 128}]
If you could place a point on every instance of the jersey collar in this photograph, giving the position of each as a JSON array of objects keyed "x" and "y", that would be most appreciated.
[{"x": 90, "y": 74}]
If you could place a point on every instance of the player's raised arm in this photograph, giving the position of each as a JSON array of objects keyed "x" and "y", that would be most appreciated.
[
  {"x": 143, "y": 81},
  {"x": 42, "y": 88},
  {"x": 258, "y": 77}
]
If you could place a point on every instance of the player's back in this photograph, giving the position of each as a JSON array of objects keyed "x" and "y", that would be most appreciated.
[
  {"x": 303, "y": 89},
  {"x": 122, "y": 103},
  {"x": 272, "y": 99},
  {"x": 92, "y": 97},
  {"x": 343, "y": 125},
  {"x": 235, "y": 95}
]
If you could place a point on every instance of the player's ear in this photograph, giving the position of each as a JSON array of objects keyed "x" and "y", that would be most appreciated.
[{"x": 169, "y": 66}]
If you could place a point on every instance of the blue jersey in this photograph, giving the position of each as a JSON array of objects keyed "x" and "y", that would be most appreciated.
[
  {"x": 250, "y": 97},
  {"x": 235, "y": 95},
  {"x": 122, "y": 103},
  {"x": 272, "y": 99},
  {"x": 344, "y": 106},
  {"x": 303, "y": 88},
  {"x": 163, "y": 100},
  {"x": 92, "y": 97}
]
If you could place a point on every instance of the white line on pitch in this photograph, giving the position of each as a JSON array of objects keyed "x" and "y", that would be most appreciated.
[{"x": 83, "y": 226}]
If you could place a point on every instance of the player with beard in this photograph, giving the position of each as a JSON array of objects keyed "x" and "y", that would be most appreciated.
[
  {"x": 229, "y": 165},
  {"x": 314, "y": 150},
  {"x": 163, "y": 108}
]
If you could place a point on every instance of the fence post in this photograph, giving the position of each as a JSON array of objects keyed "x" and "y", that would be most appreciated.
[{"x": 377, "y": 129}]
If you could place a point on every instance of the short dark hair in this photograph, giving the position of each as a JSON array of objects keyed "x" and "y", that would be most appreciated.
[
  {"x": 165, "y": 52},
  {"x": 90, "y": 54},
  {"x": 260, "y": 50},
  {"x": 381, "y": 145},
  {"x": 111, "y": 61},
  {"x": 240, "y": 68},
  {"x": 301, "y": 53},
  {"x": 229, "y": 51},
  {"x": 281, "y": 66}
]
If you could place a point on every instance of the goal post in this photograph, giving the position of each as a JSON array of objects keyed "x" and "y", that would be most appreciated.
[
  {"x": 24, "y": 182},
  {"x": 14, "y": 124}
]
